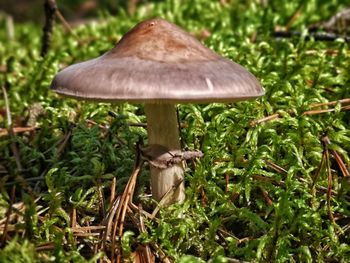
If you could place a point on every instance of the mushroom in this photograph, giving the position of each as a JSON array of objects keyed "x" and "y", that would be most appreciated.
[{"x": 159, "y": 64}]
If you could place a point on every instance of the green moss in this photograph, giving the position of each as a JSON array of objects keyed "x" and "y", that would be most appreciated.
[{"x": 237, "y": 206}]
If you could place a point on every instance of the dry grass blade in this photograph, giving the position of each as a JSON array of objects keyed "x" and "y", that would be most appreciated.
[
  {"x": 5, "y": 132},
  {"x": 11, "y": 133},
  {"x": 123, "y": 205},
  {"x": 265, "y": 119},
  {"x": 107, "y": 222},
  {"x": 8, "y": 213},
  {"x": 9, "y": 228},
  {"x": 101, "y": 198},
  {"x": 136, "y": 209},
  {"x": 166, "y": 197},
  {"x": 326, "y": 142},
  {"x": 113, "y": 190},
  {"x": 204, "y": 199},
  {"x": 314, "y": 112},
  {"x": 276, "y": 167},
  {"x": 64, "y": 22},
  {"x": 88, "y": 231},
  {"x": 128, "y": 199},
  {"x": 294, "y": 17},
  {"x": 283, "y": 171},
  {"x": 81, "y": 229},
  {"x": 91, "y": 122},
  {"x": 3, "y": 68},
  {"x": 342, "y": 101},
  {"x": 254, "y": 123},
  {"x": 143, "y": 230},
  {"x": 318, "y": 171},
  {"x": 162, "y": 256},
  {"x": 341, "y": 164},
  {"x": 267, "y": 198},
  {"x": 45, "y": 246},
  {"x": 227, "y": 181},
  {"x": 17, "y": 210},
  {"x": 73, "y": 218},
  {"x": 15, "y": 216}
]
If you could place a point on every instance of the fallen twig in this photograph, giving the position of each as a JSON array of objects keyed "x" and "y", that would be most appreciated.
[
  {"x": 63, "y": 21},
  {"x": 50, "y": 8},
  {"x": 161, "y": 157},
  {"x": 313, "y": 112},
  {"x": 315, "y": 35},
  {"x": 326, "y": 142},
  {"x": 16, "y": 130},
  {"x": 253, "y": 123},
  {"x": 274, "y": 116},
  {"x": 342, "y": 101},
  {"x": 123, "y": 205}
]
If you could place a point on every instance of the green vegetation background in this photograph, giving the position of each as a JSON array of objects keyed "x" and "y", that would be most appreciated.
[{"x": 237, "y": 206}]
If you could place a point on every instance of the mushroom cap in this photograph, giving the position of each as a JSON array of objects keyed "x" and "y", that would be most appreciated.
[{"x": 158, "y": 62}]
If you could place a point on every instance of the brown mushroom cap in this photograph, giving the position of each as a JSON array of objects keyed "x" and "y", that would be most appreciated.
[{"x": 158, "y": 62}]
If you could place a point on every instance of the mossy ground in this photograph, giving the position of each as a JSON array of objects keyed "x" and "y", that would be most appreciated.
[{"x": 260, "y": 193}]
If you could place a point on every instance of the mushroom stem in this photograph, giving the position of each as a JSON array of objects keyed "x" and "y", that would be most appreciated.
[{"x": 163, "y": 129}]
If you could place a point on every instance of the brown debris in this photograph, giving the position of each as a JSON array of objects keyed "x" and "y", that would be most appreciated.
[
  {"x": 161, "y": 157},
  {"x": 5, "y": 132}
]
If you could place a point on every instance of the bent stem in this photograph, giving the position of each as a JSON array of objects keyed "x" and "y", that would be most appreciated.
[{"x": 163, "y": 129}]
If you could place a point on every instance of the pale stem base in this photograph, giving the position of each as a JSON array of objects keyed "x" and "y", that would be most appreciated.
[{"x": 163, "y": 129}]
